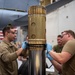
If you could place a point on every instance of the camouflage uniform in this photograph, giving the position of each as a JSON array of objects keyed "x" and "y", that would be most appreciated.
[{"x": 8, "y": 56}]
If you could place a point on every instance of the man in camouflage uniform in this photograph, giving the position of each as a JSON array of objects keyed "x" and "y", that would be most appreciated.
[{"x": 9, "y": 52}]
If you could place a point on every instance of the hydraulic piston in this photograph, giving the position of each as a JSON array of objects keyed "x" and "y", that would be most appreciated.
[{"x": 37, "y": 40}]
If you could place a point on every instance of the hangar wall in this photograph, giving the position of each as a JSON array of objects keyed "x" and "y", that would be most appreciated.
[{"x": 59, "y": 20}]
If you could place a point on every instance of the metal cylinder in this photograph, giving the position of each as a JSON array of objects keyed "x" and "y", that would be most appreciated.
[{"x": 37, "y": 40}]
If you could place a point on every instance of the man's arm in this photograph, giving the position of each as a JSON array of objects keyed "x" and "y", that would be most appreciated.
[
  {"x": 57, "y": 65},
  {"x": 24, "y": 46},
  {"x": 19, "y": 51},
  {"x": 60, "y": 57}
]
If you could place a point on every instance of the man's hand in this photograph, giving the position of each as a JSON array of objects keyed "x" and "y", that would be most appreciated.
[
  {"x": 49, "y": 57},
  {"x": 24, "y": 45},
  {"x": 48, "y": 47}
]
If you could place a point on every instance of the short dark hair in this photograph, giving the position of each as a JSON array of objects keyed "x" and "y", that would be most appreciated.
[
  {"x": 7, "y": 29},
  {"x": 70, "y": 32},
  {"x": 59, "y": 36}
]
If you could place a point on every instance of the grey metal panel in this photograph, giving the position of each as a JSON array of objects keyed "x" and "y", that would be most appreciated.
[
  {"x": 10, "y": 17},
  {"x": 24, "y": 18},
  {"x": 1, "y": 3},
  {"x": 18, "y": 23},
  {"x": 56, "y": 5},
  {"x": 7, "y": 17},
  {"x": 18, "y": 4}
]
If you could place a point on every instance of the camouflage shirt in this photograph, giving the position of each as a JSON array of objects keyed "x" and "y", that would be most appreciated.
[{"x": 8, "y": 56}]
